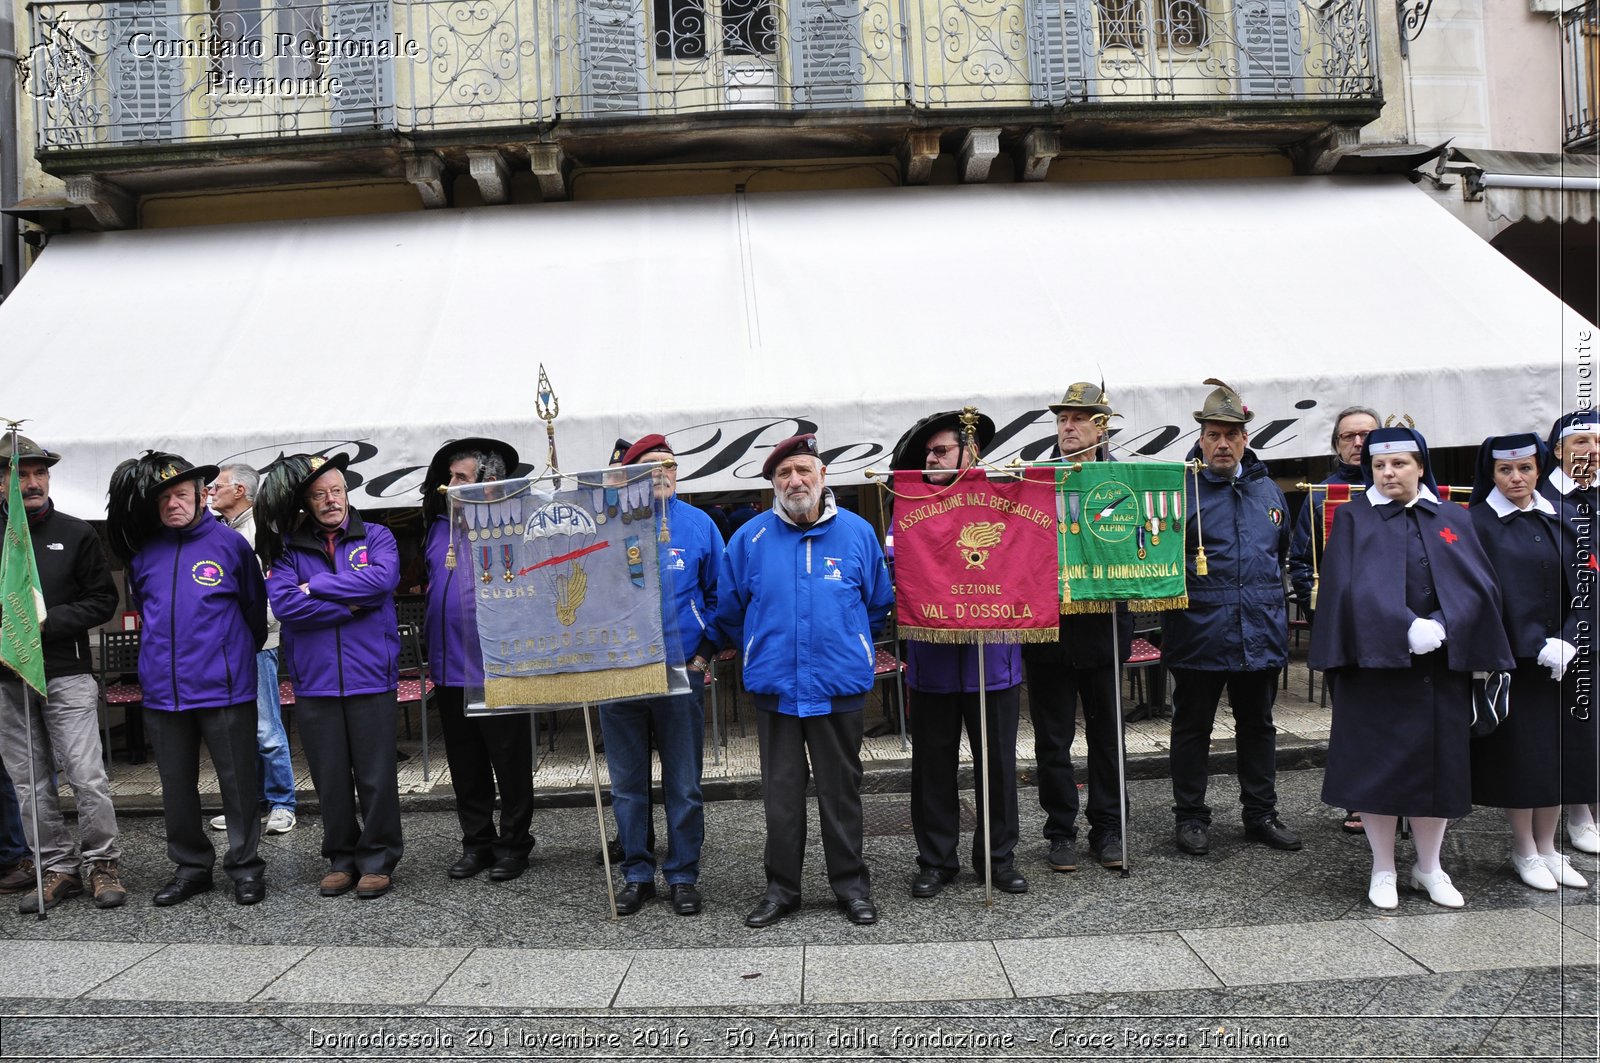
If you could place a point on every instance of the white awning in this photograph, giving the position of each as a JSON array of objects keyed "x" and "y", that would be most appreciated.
[{"x": 730, "y": 322}]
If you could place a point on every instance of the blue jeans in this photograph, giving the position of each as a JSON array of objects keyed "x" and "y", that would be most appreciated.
[
  {"x": 679, "y": 724},
  {"x": 13, "y": 845},
  {"x": 272, "y": 742}
]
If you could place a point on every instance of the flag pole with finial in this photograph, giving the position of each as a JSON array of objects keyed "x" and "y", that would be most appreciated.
[
  {"x": 548, "y": 406},
  {"x": 969, "y": 439}
]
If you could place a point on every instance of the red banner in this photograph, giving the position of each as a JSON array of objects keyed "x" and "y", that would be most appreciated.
[{"x": 974, "y": 560}]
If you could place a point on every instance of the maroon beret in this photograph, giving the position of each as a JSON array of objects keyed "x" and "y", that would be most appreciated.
[
  {"x": 647, "y": 445},
  {"x": 801, "y": 444}
]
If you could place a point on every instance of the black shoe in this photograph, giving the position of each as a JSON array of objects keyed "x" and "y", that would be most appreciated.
[
  {"x": 1008, "y": 880},
  {"x": 249, "y": 891},
  {"x": 768, "y": 912},
  {"x": 179, "y": 890},
  {"x": 508, "y": 867},
  {"x": 1109, "y": 851},
  {"x": 929, "y": 882},
  {"x": 631, "y": 897},
  {"x": 859, "y": 910},
  {"x": 470, "y": 864},
  {"x": 1191, "y": 837},
  {"x": 1064, "y": 854},
  {"x": 685, "y": 898},
  {"x": 1272, "y": 832}
]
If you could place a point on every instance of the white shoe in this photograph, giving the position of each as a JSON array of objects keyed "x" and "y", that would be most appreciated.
[
  {"x": 219, "y": 823},
  {"x": 1533, "y": 872},
  {"x": 1561, "y": 871},
  {"x": 1381, "y": 890},
  {"x": 281, "y": 821},
  {"x": 1585, "y": 839},
  {"x": 1439, "y": 889}
]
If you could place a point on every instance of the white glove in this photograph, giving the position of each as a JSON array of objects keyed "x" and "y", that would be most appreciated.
[
  {"x": 1425, "y": 635},
  {"x": 1556, "y": 655}
]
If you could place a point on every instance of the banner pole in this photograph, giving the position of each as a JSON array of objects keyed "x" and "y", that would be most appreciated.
[
  {"x": 1122, "y": 751},
  {"x": 983, "y": 773},
  {"x": 599, "y": 809},
  {"x": 33, "y": 786}
]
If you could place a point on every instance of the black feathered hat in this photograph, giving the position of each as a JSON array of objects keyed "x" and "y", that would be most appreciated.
[
  {"x": 280, "y": 498},
  {"x": 911, "y": 451},
  {"x": 131, "y": 497},
  {"x": 433, "y": 499}
]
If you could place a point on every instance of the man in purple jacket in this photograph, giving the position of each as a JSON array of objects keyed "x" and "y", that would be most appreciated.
[
  {"x": 485, "y": 752},
  {"x": 945, "y": 679},
  {"x": 204, "y": 616},
  {"x": 333, "y": 590}
]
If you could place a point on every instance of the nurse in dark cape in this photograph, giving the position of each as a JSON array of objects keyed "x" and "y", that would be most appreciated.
[
  {"x": 1518, "y": 766},
  {"x": 1572, "y": 486},
  {"x": 1409, "y": 609}
]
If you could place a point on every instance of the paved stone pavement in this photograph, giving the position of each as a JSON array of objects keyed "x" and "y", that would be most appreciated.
[{"x": 1245, "y": 953}]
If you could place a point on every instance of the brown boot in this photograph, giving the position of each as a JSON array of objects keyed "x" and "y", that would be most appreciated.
[
  {"x": 105, "y": 884},
  {"x": 57, "y": 888},
  {"x": 18, "y": 878}
]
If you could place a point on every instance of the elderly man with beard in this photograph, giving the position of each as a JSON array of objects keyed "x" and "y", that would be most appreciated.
[
  {"x": 802, "y": 591},
  {"x": 945, "y": 681},
  {"x": 331, "y": 580}
]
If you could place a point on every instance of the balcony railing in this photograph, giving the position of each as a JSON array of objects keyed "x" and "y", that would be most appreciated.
[
  {"x": 1580, "y": 73},
  {"x": 138, "y": 72}
]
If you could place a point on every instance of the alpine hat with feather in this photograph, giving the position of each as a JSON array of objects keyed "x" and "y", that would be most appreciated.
[
  {"x": 433, "y": 499},
  {"x": 280, "y": 499},
  {"x": 131, "y": 498},
  {"x": 911, "y": 451}
]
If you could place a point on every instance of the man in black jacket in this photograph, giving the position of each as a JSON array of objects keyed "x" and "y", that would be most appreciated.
[{"x": 78, "y": 595}]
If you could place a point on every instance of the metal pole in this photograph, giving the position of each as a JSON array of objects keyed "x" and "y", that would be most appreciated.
[
  {"x": 33, "y": 782},
  {"x": 1122, "y": 758},
  {"x": 599, "y": 809},
  {"x": 983, "y": 775}
]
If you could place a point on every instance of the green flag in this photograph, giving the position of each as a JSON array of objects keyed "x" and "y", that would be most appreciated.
[
  {"x": 21, "y": 602},
  {"x": 1120, "y": 536}
]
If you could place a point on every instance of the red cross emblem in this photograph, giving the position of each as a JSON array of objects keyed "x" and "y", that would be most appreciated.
[
  {"x": 1447, "y": 535},
  {"x": 1593, "y": 563}
]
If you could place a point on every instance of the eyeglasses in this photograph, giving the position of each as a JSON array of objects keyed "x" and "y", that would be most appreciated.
[
  {"x": 942, "y": 452},
  {"x": 1354, "y": 437},
  {"x": 324, "y": 495}
]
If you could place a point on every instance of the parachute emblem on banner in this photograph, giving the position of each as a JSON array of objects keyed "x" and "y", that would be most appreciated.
[{"x": 558, "y": 534}]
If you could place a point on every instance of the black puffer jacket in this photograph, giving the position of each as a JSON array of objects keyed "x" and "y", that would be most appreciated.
[{"x": 79, "y": 594}]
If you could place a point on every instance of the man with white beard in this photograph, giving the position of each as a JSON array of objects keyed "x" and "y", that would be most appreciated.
[{"x": 802, "y": 592}]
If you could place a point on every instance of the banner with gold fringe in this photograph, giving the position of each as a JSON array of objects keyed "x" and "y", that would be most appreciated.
[
  {"x": 567, "y": 587},
  {"x": 974, "y": 560},
  {"x": 1120, "y": 536}
]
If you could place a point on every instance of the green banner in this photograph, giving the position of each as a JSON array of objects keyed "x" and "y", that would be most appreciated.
[
  {"x": 21, "y": 603},
  {"x": 1119, "y": 535}
]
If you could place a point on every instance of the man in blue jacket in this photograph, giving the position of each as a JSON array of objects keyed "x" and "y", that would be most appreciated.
[
  {"x": 333, "y": 591},
  {"x": 1350, "y": 431},
  {"x": 204, "y": 616},
  {"x": 802, "y": 592},
  {"x": 689, "y": 561},
  {"x": 484, "y": 752},
  {"x": 945, "y": 679},
  {"x": 1235, "y": 633}
]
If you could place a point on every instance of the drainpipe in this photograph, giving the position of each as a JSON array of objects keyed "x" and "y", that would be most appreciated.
[{"x": 10, "y": 262}]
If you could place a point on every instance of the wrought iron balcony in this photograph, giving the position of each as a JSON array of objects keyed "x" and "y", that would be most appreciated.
[
  {"x": 1580, "y": 74},
  {"x": 121, "y": 73}
]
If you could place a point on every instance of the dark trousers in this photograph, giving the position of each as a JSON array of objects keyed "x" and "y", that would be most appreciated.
[
  {"x": 833, "y": 743},
  {"x": 485, "y": 753},
  {"x": 230, "y": 736},
  {"x": 1194, "y": 710},
  {"x": 1054, "y": 690},
  {"x": 935, "y": 764},
  {"x": 350, "y": 748}
]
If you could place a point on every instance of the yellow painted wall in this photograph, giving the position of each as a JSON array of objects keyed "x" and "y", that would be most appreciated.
[
  {"x": 1170, "y": 166},
  {"x": 312, "y": 201}
]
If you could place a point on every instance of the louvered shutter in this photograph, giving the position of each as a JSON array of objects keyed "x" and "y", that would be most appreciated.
[
  {"x": 612, "y": 52},
  {"x": 146, "y": 93},
  {"x": 364, "y": 81},
  {"x": 825, "y": 65},
  {"x": 1271, "y": 49},
  {"x": 1058, "y": 45}
]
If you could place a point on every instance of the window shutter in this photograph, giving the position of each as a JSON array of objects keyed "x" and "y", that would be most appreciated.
[
  {"x": 825, "y": 63},
  {"x": 146, "y": 92},
  {"x": 1271, "y": 49},
  {"x": 612, "y": 53},
  {"x": 1058, "y": 45},
  {"x": 363, "y": 100}
]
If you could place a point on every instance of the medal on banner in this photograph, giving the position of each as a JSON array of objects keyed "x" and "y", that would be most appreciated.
[
  {"x": 1075, "y": 507},
  {"x": 488, "y": 563},
  {"x": 505, "y": 559}
]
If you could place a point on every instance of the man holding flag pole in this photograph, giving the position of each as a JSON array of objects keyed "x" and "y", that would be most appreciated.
[{"x": 44, "y": 641}]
